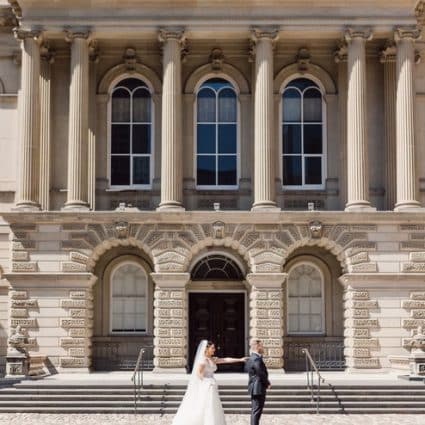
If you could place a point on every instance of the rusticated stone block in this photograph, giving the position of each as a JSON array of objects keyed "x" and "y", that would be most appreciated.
[
  {"x": 73, "y": 267},
  {"x": 273, "y": 362},
  {"x": 357, "y": 314},
  {"x": 77, "y": 257},
  {"x": 169, "y": 323},
  {"x": 413, "y": 267},
  {"x": 27, "y": 266},
  {"x": 364, "y": 323},
  {"x": 417, "y": 257},
  {"x": 177, "y": 352},
  {"x": 74, "y": 362},
  {"x": 176, "y": 312},
  {"x": 25, "y": 323},
  {"x": 413, "y": 304},
  {"x": 365, "y": 343},
  {"x": 258, "y": 295},
  {"x": 77, "y": 313},
  {"x": 162, "y": 332},
  {"x": 177, "y": 295},
  {"x": 67, "y": 342},
  {"x": 80, "y": 332},
  {"x": 274, "y": 313},
  {"x": 361, "y": 352},
  {"x": 413, "y": 323},
  {"x": 275, "y": 352},
  {"x": 169, "y": 303},
  {"x": 179, "y": 333},
  {"x": 365, "y": 363},
  {"x": 80, "y": 295},
  {"x": 24, "y": 303},
  {"x": 275, "y": 295},
  {"x": 162, "y": 312},
  {"x": 73, "y": 323},
  {"x": 19, "y": 312},
  {"x": 371, "y": 304},
  {"x": 272, "y": 342},
  {"x": 418, "y": 314},
  {"x": 364, "y": 268},
  {"x": 170, "y": 362},
  {"x": 266, "y": 304},
  {"x": 20, "y": 256},
  {"x": 75, "y": 303},
  {"x": 161, "y": 295},
  {"x": 360, "y": 333},
  {"x": 417, "y": 296},
  {"x": 18, "y": 295},
  {"x": 265, "y": 323},
  {"x": 23, "y": 245},
  {"x": 361, "y": 257},
  {"x": 77, "y": 352},
  {"x": 357, "y": 295},
  {"x": 169, "y": 342},
  {"x": 161, "y": 352},
  {"x": 260, "y": 313}
]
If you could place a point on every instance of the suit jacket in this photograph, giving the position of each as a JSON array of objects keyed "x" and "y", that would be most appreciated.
[{"x": 258, "y": 376}]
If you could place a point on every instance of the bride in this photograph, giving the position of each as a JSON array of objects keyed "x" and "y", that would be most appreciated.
[{"x": 201, "y": 404}]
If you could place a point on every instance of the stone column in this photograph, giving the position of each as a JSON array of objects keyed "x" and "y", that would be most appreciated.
[
  {"x": 357, "y": 148},
  {"x": 170, "y": 322},
  {"x": 171, "y": 132},
  {"x": 267, "y": 315},
  {"x": 78, "y": 121},
  {"x": 47, "y": 58},
  {"x": 264, "y": 163},
  {"x": 388, "y": 59},
  {"x": 405, "y": 118},
  {"x": 91, "y": 157},
  {"x": 29, "y": 122},
  {"x": 341, "y": 56}
]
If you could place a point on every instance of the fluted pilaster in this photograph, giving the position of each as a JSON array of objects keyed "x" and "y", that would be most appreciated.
[
  {"x": 29, "y": 121},
  {"x": 47, "y": 58},
  {"x": 388, "y": 59},
  {"x": 171, "y": 131},
  {"x": 405, "y": 119},
  {"x": 91, "y": 157},
  {"x": 78, "y": 121},
  {"x": 357, "y": 148},
  {"x": 264, "y": 164}
]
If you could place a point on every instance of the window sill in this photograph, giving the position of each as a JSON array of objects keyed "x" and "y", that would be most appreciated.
[{"x": 129, "y": 189}]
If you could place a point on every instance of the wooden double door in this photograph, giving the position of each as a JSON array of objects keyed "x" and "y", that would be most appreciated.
[{"x": 219, "y": 317}]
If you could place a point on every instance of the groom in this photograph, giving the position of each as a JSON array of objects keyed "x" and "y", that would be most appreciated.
[{"x": 258, "y": 383}]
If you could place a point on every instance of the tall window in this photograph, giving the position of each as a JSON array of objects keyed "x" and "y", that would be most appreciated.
[
  {"x": 131, "y": 134},
  {"x": 305, "y": 300},
  {"x": 302, "y": 135},
  {"x": 216, "y": 135},
  {"x": 129, "y": 299}
]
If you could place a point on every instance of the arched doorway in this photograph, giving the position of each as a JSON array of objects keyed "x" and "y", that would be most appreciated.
[
  {"x": 314, "y": 310},
  {"x": 218, "y": 307}
]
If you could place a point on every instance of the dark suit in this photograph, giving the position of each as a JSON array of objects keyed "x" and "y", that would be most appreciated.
[{"x": 257, "y": 386}]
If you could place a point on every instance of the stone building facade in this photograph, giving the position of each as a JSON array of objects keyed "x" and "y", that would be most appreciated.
[{"x": 212, "y": 171}]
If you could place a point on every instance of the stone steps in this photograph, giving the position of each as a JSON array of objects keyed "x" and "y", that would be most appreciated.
[{"x": 48, "y": 397}]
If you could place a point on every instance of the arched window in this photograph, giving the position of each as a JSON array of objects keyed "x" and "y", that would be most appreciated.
[
  {"x": 131, "y": 134},
  {"x": 305, "y": 300},
  {"x": 216, "y": 135},
  {"x": 129, "y": 287},
  {"x": 216, "y": 267},
  {"x": 303, "y": 161}
]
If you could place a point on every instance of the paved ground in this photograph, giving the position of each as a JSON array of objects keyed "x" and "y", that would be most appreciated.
[{"x": 36, "y": 419}]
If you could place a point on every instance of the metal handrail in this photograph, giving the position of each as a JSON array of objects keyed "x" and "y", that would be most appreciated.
[
  {"x": 137, "y": 378},
  {"x": 311, "y": 368}
]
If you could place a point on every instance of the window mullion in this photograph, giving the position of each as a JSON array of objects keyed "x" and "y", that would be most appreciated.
[
  {"x": 216, "y": 138},
  {"x": 131, "y": 139}
]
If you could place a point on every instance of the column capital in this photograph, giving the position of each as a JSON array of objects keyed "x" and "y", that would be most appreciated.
[
  {"x": 357, "y": 33},
  {"x": 21, "y": 34},
  {"x": 388, "y": 54},
  {"x": 411, "y": 33},
  {"x": 341, "y": 52},
  {"x": 47, "y": 53},
  {"x": 166, "y": 34},
  {"x": 270, "y": 33},
  {"x": 72, "y": 33}
]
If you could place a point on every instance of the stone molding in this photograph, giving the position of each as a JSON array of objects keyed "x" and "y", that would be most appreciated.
[{"x": 364, "y": 33}]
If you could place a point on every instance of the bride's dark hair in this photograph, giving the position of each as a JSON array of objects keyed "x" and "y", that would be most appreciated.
[{"x": 209, "y": 343}]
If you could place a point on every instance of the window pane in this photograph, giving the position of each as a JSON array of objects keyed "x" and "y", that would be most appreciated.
[
  {"x": 206, "y": 170},
  {"x": 141, "y": 105},
  {"x": 292, "y": 170},
  {"x": 291, "y": 138},
  {"x": 227, "y": 138},
  {"x": 121, "y": 106},
  {"x": 291, "y": 105},
  {"x": 302, "y": 83},
  {"x": 141, "y": 170},
  {"x": 316, "y": 323},
  {"x": 293, "y": 323},
  {"x": 120, "y": 138},
  {"x": 132, "y": 83},
  {"x": 312, "y": 105},
  {"x": 227, "y": 170},
  {"x": 227, "y": 106},
  {"x": 206, "y": 138},
  {"x": 313, "y": 170},
  {"x": 116, "y": 322},
  {"x": 141, "y": 138},
  {"x": 120, "y": 170},
  {"x": 313, "y": 138},
  {"x": 316, "y": 306},
  {"x": 304, "y": 321},
  {"x": 206, "y": 105},
  {"x": 140, "y": 322}
]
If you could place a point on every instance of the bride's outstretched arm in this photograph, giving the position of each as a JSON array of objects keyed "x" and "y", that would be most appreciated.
[{"x": 228, "y": 360}]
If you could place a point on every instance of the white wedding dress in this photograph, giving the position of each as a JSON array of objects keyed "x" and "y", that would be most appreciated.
[{"x": 201, "y": 404}]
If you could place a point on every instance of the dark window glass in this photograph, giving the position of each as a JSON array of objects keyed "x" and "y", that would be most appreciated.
[
  {"x": 206, "y": 105},
  {"x": 292, "y": 171},
  {"x": 227, "y": 170},
  {"x": 291, "y": 138},
  {"x": 120, "y": 105},
  {"x": 313, "y": 170},
  {"x": 302, "y": 83},
  {"x": 206, "y": 170},
  {"x": 141, "y": 138},
  {"x": 131, "y": 83},
  {"x": 312, "y": 105},
  {"x": 291, "y": 105},
  {"x": 120, "y": 138},
  {"x": 141, "y": 105},
  {"x": 141, "y": 170},
  {"x": 206, "y": 138},
  {"x": 120, "y": 170},
  {"x": 312, "y": 138},
  {"x": 216, "y": 267},
  {"x": 227, "y": 106},
  {"x": 227, "y": 138}
]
